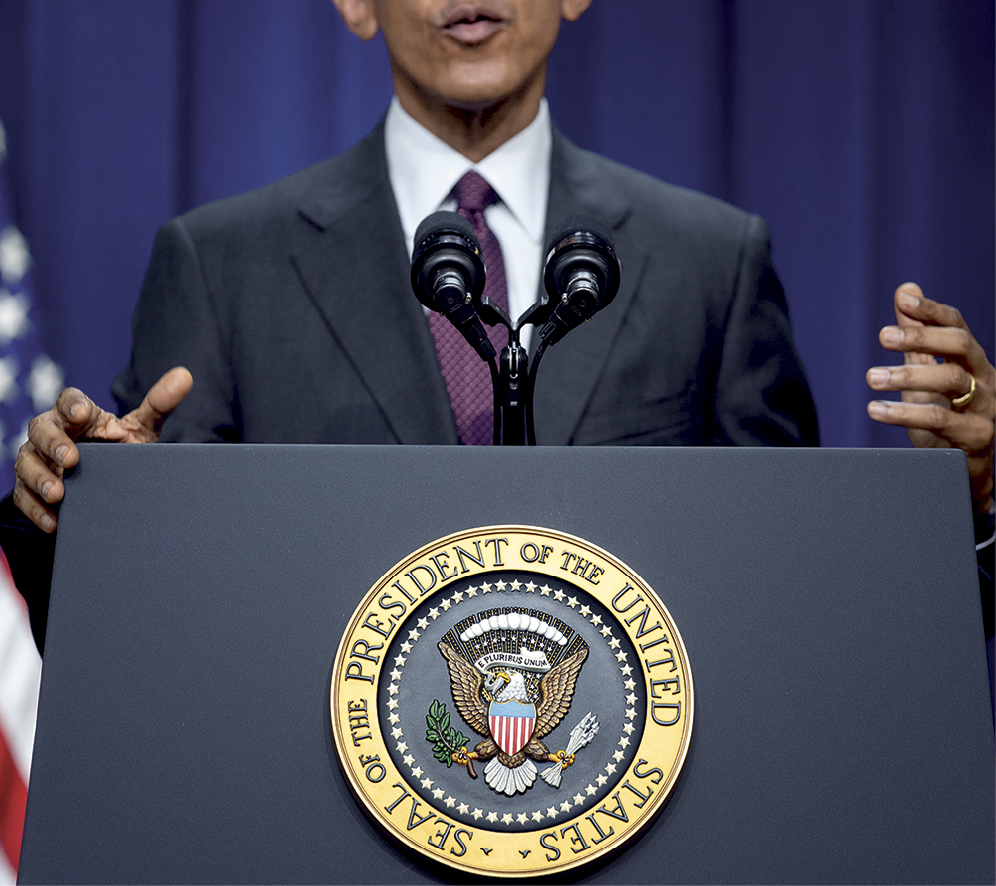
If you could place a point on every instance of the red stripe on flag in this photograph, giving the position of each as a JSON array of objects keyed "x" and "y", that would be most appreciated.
[
  {"x": 13, "y": 802},
  {"x": 13, "y": 790},
  {"x": 527, "y": 731},
  {"x": 14, "y": 593},
  {"x": 511, "y": 734},
  {"x": 5, "y": 570}
]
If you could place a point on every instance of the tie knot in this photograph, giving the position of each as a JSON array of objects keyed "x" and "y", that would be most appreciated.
[{"x": 473, "y": 194}]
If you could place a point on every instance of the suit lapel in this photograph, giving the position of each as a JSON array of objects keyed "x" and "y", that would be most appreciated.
[
  {"x": 354, "y": 266},
  {"x": 570, "y": 370}
]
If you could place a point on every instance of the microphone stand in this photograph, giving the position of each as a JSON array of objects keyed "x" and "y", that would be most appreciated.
[
  {"x": 513, "y": 384},
  {"x": 581, "y": 276}
]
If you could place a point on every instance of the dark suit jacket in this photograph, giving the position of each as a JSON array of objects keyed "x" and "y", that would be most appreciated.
[{"x": 291, "y": 306}]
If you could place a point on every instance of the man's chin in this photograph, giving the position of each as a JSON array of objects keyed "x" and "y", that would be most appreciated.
[
  {"x": 475, "y": 89},
  {"x": 463, "y": 105}
]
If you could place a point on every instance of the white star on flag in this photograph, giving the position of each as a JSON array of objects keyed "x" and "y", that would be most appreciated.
[
  {"x": 14, "y": 256},
  {"x": 44, "y": 382},
  {"x": 13, "y": 317}
]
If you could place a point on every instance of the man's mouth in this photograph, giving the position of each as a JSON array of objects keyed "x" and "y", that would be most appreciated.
[{"x": 472, "y": 23}]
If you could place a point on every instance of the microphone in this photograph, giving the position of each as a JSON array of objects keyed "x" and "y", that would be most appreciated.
[
  {"x": 581, "y": 277},
  {"x": 448, "y": 275}
]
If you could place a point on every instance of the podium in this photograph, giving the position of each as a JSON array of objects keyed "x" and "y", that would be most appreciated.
[{"x": 843, "y": 730}]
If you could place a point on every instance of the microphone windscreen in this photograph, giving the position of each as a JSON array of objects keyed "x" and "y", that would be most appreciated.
[
  {"x": 578, "y": 224},
  {"x": 444, "y": 222}
]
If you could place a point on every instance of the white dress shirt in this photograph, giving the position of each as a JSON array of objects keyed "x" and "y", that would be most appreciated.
[{"x": 423, "y": 170}]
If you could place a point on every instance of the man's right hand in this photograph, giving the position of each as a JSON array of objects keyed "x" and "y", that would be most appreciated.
[{"x": 50, "y": 447}]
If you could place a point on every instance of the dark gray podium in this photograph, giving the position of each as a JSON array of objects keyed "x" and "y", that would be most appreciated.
[{"x": 842, "y": 732}]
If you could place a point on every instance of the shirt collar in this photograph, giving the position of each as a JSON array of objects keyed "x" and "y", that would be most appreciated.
[{"x": 423, "y": 170}]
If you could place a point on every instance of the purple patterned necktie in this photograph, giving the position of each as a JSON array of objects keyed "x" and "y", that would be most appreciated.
[{"x": 467, "y": 376}]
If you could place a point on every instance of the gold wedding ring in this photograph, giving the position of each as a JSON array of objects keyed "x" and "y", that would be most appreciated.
[{"x": 963, "y": 401}]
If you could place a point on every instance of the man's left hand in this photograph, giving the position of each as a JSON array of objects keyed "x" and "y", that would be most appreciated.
[{"x": 948, "y": 385}]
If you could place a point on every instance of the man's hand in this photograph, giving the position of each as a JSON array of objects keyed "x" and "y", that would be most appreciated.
[
  {"x": 941, "y": 405},
  {"x": 52, "y": 436}
]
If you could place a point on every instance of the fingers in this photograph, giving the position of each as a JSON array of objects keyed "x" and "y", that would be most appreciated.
[
  {"x": 928, "y": 327},
  {"x": 145, "y": 423},
  {"x": 949, "y": 342},
  {"x": 73, "y": 417},
  {"x": 940, "y": 406},
  {"x": 949, "y": 380},
  {"x": 52, "y": 436},
  {"x": 37, "y": 487},
  {"x": 968, "y": 431},
  {"x": 49, "y": 449},
  {"x": 913, "y": 308},
  {"x": 905, "y": 302},
  {"x": 932, "y": 425}
]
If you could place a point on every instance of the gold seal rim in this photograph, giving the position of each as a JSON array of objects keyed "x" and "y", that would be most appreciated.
[{"x": 353, "y": 769}]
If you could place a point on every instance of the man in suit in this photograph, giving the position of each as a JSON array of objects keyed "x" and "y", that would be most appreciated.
[{"x": 291, "y": 311}]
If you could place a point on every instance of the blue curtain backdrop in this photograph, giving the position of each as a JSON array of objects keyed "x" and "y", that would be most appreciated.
[{"x": 863, "y": 131}]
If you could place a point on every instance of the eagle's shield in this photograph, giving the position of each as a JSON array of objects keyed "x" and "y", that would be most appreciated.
[{"x": 512, "y": 724}]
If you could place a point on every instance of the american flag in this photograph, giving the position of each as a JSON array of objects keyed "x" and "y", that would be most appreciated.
[
  {"x": 29, "y": 383},
  {"x": 29, "y": 379}
]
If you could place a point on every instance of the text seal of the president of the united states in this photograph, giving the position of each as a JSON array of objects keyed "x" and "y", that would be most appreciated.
[{"x": 512, "y": 700}]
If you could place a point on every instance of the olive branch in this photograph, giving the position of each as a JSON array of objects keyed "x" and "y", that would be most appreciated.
[{"x": 446, "y": 740}]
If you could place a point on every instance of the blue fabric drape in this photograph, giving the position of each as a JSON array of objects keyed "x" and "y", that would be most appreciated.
[{"x": 863, "y": 131}]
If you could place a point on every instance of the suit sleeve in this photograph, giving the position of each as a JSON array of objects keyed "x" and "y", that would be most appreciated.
[
  {"x": 176, "y": 323},
  {"x": 30, "y": 556},
  {"x": 762, "y": 396}
]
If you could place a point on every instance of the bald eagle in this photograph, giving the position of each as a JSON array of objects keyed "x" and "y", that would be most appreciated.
[{"x": 510, "y": 769}]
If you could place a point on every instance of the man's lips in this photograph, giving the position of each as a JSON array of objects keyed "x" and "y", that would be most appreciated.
[{"x": 473, "y": 23}]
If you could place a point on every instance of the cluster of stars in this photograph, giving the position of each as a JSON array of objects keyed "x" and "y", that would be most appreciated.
[
  {"x": 490, "y": 816},
  {"x": 29, "y": 380}
]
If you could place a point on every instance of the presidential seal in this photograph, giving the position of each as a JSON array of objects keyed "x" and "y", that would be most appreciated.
[{"x": 512, "y": 701}]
